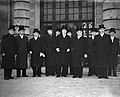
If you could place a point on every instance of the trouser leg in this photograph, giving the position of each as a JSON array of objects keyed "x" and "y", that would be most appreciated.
[
  {"x": 109, "y": 71},
  {"x": 65, "y": 70},
  {"x": 34, "y": 71},
  {"x": 80, "y": 72},
  {"x": 18, "y": 72},
  {"x": 39, "y": 71},
  {"x": 58, "y": 70},
  {"x": 10, "y": 72},
  {"x": 114, "y": 71},
  {"x": 90, "y": 71},
  {"x": 23, "y": 72},
  {"x": 5, "y": 73}
]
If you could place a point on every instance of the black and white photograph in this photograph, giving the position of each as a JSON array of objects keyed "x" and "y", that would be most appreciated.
[{"x": 59, "y": 48}]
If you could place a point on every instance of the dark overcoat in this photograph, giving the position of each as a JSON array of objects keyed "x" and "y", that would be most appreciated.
[
  {"x": 114, "y": 50},
  {"x": 69, "y": 54},
  {"x": 79, "y": 48},
  {"x": 101, "y": 46},
  {"x": 50, "y": 50},
  {"x": 91, "y": 53},
  {"x": 63, "y": 45},
  {"x": 8, "y": 46},
  {"x": 22, "y": 52},
  {"x": 36, "y": 46}
]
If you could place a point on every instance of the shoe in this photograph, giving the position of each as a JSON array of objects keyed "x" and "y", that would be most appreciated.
[
  {"x": 74, "y": 76},
  {"x": 18, "y": 76},
  {"x": 115, "y": 75},
  {"x": 89, "y": 75},
  {"x": 6, "y": 78},
  {"x": 79, "y": 76},
  {"x": 47, "y": 75},
  {"x": 58, "y": 76},
  {"x": 11, "y": 77},
  {"x": 106, "y": 77},
  {"x": 39, "y": 75},
  {"x": 64, "y": 75},
  {"x": 34, "y": 76},
  {"x": 24, "y": 75},
  {"x": 99, "y": 77}
]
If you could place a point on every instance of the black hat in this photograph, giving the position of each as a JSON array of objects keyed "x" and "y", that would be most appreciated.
[
  {"x": 36, "y": 30},
  {"x": 69, "y": 30},
  {"x": 101, "y": 26},
  {"x": 49, "y": 27},
  {"x": 79, "y": 29},
  {"x": 21, "y": 28},
  {"x": 94, "y": 29},
  {"x": 11, "y": 27},
  {"x": 112, "y": 30},
  {"x": 64, "y": 27},
  {"x": 58, "y": 29}
]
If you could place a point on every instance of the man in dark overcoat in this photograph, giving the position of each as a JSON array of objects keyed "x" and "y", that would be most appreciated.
[
  {"x": 36, "y": 46},
  {"x": 101, "y": 46},
  {"x": 62, "y": 47},
  {"x": 8, "y": 51},
  {"x": 114, "y": 51},
  {"x": 91, "y": 53},
  {"x": 79, "y": 51},
  {"x": 49, "y": 41},
  {"x": 22, "y": 52}
]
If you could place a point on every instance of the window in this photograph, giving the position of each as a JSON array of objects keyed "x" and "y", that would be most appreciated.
[{"x": 71, "y": 12}]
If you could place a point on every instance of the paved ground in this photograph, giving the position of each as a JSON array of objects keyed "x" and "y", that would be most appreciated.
[{"x": 59, "y": 87}]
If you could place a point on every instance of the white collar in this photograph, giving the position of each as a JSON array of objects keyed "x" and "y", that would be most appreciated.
[
  {"x": 21, "y": 36},
  {"x": 64, "y": 36},
  {"x": 79, "y": 37},
  {"x": 35, "y": 38},
  {"x": 102, "y": 34},
  {"x": 93, "y": 37}
]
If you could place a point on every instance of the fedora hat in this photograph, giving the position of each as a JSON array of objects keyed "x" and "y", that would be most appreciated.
[
  {"x": 112, "y": 30},
  {"x": 101, "y": 26},
  {"x": 21, "y": 28}
]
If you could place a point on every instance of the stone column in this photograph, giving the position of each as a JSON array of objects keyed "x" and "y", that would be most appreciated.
[
  {"x": 98, "y": 12},
  {"x": 111, "y": 15},
  {"x": 21, "y": 14}
]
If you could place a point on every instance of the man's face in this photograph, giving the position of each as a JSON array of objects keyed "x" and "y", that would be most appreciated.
[
  {"x": 93, "y": 33},
  {"x": 50, "y": 32},
  {"x": 22, "y": 31},
  {"x": 36, "y": 34},
  {"x": 102, "y": 30},
  {"x": 112, "y": 34},
  {"x": 64, "y": 31},
  {"x": 57, "y": 33},
  {"x": 69, "y": 34},
  {"x": 11, "y": 31},
  {"x": 79, "y": 33}
]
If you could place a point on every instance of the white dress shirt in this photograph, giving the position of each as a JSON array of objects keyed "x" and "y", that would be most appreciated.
[
  {"x": 112, "y": 38},
  {"x": 102, "y": 34},
  {"x": 21, "y": 36},
  {"x": 79, "y": 37},
  {"x": 35, "y": 38}
]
